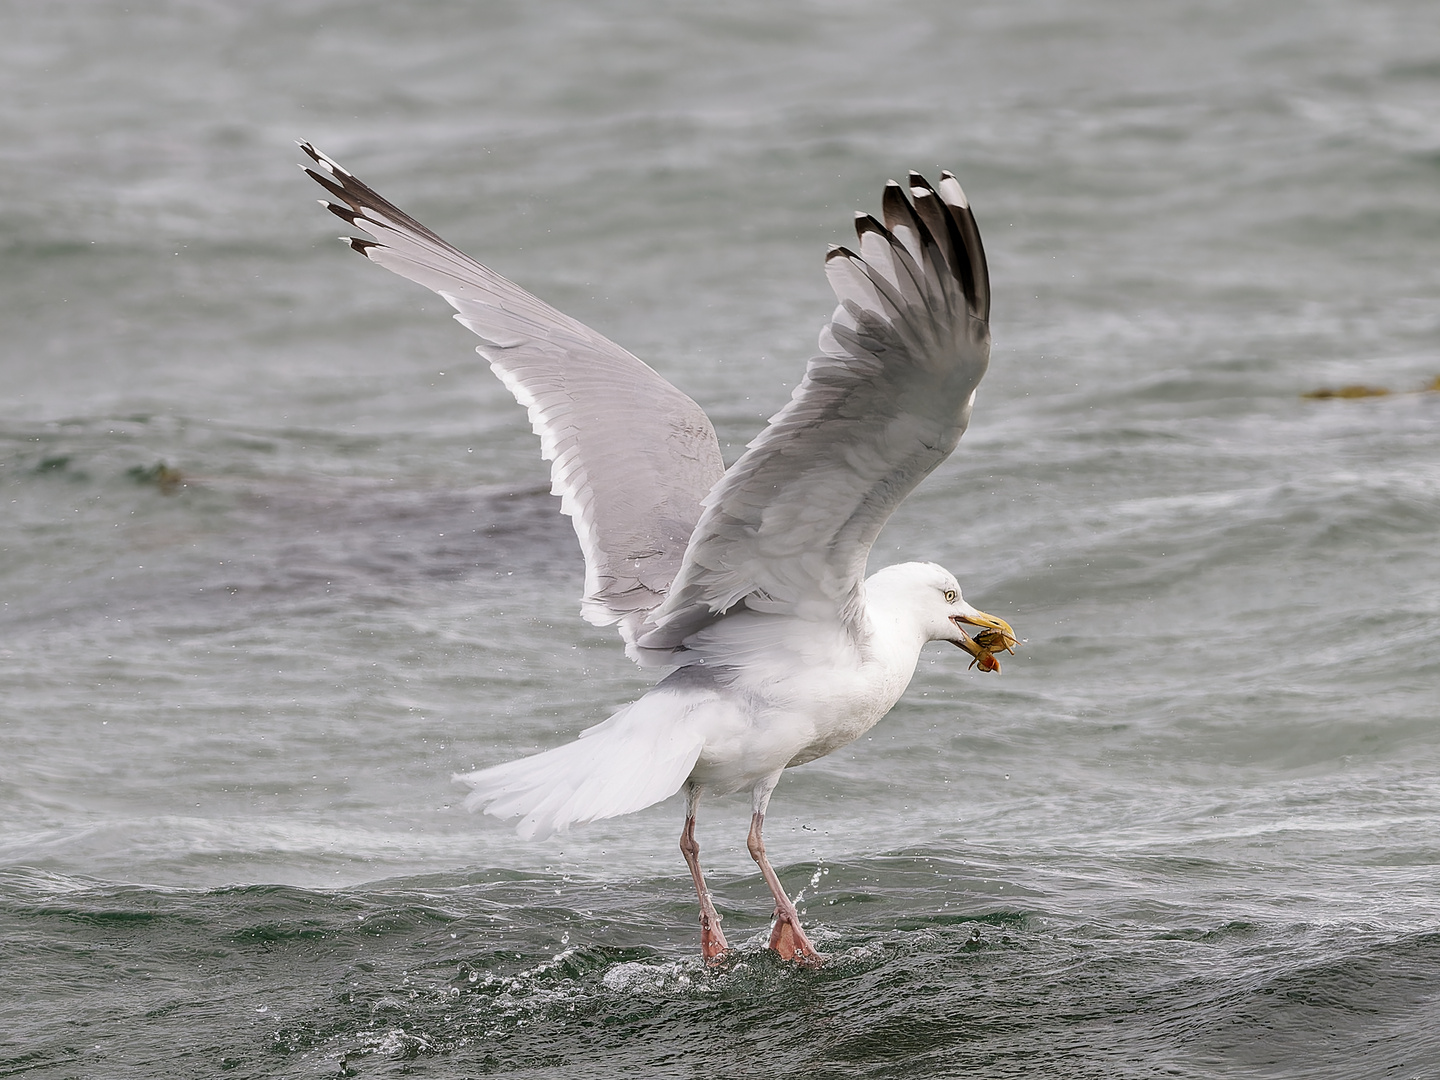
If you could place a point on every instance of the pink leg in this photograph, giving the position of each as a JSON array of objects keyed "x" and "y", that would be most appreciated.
[
  {"x": 712, "y": 942},
  {"x": 787, "y": 938}
]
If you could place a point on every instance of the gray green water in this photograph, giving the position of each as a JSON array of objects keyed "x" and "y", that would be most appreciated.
[{"x": 1190, "y": 831}]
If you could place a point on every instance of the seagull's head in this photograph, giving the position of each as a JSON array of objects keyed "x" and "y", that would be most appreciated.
[{"x": 930, "y": 594}]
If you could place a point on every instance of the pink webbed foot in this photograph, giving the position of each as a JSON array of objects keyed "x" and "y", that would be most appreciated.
[
  {"x": 790, "y": 942},
  {"x": 713, "y": 947}
]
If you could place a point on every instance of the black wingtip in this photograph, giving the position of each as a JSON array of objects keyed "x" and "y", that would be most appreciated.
[
  {"x": 865, "y": 223},
  {"x": 329, "y": 184},
  {"x": 939, "y": 216},
  {"x": 329, "y": 164},
  {"x": 895, "y": 208},
  {"x": 348, "y": 189},
  {"x": 344, "y": 213}
]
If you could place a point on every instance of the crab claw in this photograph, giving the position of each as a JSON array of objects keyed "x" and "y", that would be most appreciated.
[{"x": 986, "y": 662}]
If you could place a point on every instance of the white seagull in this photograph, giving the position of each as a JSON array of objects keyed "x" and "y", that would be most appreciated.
[{"x": 748, "y": 583}]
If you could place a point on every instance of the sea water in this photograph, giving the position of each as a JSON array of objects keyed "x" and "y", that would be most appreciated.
[{"x": 277, "y": 553}]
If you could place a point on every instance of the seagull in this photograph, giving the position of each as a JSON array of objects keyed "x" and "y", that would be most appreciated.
[{"x": 745, "y": 585}]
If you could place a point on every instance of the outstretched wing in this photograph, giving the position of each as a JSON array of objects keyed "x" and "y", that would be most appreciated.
[
  {"x": 631, "y": 456},
  {"x": 789, "y": 528}
]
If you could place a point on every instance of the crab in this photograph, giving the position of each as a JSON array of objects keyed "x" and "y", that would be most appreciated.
[{"x": 991, "y": 642}]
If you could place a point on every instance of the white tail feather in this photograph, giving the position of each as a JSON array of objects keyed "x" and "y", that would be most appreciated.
[{"x": 639, "y": 756}]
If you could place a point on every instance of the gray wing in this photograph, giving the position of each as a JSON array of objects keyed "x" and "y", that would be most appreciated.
[
  {"x": 631, "y": 456},
  {"x": 789, "y": 528}
]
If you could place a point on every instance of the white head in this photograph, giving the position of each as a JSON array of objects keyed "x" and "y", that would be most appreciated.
[{"x": 927, "y": 598}]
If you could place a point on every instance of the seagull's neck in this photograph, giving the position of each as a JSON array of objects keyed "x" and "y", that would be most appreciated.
[{"x": 894, "y": 642}]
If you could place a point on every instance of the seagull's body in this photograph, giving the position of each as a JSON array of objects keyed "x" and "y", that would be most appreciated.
[{"x": 748, "y": 583}]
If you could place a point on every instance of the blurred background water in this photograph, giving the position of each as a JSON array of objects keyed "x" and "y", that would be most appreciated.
[{"x": 277, "y": 556}]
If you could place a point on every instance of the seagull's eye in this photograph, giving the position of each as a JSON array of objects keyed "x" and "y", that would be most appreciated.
[{"x": 950, "y": 595}]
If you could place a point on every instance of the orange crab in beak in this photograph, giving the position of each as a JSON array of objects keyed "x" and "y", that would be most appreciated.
[{"x": 996, "y": 636}]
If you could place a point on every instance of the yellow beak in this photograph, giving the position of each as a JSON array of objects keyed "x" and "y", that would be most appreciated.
[{"x": 974, "y": 617}]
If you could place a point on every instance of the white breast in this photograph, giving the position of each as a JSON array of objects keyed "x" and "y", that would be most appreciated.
[{"x": 797, "y": 700}]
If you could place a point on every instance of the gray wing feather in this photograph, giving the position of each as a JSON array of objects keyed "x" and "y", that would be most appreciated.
[
  {"x": 631, "y": 456},
  {"x": 789, "y": 528}
]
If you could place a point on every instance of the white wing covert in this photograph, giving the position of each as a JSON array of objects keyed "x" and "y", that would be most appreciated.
[
  {"x": 789, "y": 528},
  {"x": 631, "y": 456}
]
